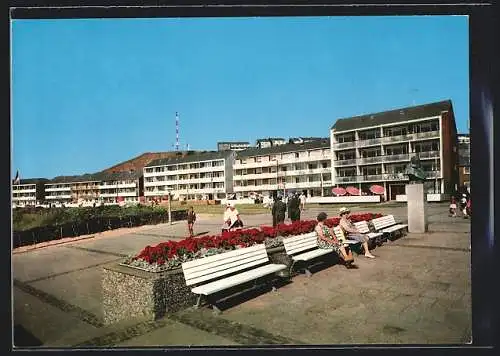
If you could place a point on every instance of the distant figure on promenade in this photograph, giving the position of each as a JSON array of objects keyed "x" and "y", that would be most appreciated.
[
  {"x": 327, "y": 239},
  {"x": 294, "y": 208},
  {"x": 191, "y": 218},
  {"x": 352, "y": 233},
  {"x": 302, "y": 201},
  {"x": 278, "y": 212},
  {"x": 463, "y": 205},
  {"x": 231, "y": 218},
  {"x": 453, "y": 207}
]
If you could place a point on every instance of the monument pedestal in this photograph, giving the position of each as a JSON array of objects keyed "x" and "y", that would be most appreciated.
[{"x": 417, "y": 215}]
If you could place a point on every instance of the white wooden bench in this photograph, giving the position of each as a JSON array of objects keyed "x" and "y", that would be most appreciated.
[
  {"x": 303, "y": 248},
  {"x": 388, "y": 225},
  {"x": 339, "y": 234},
  {"x": 363, "y": 228},
  {"x": 213, "y": 274}
]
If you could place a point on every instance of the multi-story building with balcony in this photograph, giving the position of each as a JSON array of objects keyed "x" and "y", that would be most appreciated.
[
  {"x": 299, "y": 167},
  {"x": 464, "y": 161},
  {"x": 28, "y": 192},
  {"x": 200, "y": 175},
  {"x": 58, "y": 190},
  {"x": 376, "y": 148},
  {"x": 127, "y": 187},
  {"x": 84, "y": 188}
]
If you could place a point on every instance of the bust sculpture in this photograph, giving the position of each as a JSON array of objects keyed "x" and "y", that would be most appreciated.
[{"x": 414, "y": 171}]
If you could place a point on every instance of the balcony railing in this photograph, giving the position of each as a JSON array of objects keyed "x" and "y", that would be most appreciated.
[
  {"x": 344, "y": 162},
  {"x": 369, "y": 142},
  {"x": 347, "y": 179},
  {"x": 429, "y": 154},
  {"x": 344, "y": 145},
  {"x": 371, "y": 178}
]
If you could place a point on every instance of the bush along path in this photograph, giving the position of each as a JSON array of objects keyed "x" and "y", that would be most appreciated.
[
  {"x": 58, "y": 223},
  {"x": 171, "y": 254}
]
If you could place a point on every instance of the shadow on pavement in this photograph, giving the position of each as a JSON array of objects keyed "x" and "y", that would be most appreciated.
[{"x": 23, "y": 338}]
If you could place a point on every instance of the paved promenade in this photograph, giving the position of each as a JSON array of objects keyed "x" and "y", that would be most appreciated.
[{"x": 417, "y": 290}]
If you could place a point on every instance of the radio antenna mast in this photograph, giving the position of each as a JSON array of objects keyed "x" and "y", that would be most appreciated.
[{"x": 177, "y": 131}]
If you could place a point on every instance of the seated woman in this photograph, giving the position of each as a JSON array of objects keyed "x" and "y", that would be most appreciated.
[
  {"x": 352, "y": 233},
  {"x": 327, "y": 239}
]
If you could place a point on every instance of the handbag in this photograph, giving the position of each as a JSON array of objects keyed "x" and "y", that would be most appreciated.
[{"x": 349, "y": 257}]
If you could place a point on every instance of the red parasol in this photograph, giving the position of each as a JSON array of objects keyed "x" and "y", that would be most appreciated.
[
  {"x": 352, "y": 190},
  {"x": 377, "y": 189},
  {"x": 338, "y": 191}
]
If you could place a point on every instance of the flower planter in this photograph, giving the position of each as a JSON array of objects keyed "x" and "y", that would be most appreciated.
[{"x": 132, "y": 292}]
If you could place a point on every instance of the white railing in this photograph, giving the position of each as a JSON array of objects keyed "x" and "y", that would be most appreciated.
[
  {"x": 68, "y": 189},
  {"x": 425, "y": 135},
  {"x": 344, "y": 162},
  {"x": 52, "y": 197},
  {"x": 371, "y": 160},
  {"x": 371, "y": 178},
  {"x": 429, "y": 154},
  {"x": 396, "y": 158},
  {"x": 343, "y": 145},
  {"x": 346, "y": 179},
  {"x": 19, "y": 191},
  {"x": 255, "y": 176},
  {"x": 369, "y": 142}
]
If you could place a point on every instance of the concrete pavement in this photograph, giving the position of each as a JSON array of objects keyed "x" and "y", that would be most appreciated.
[{"x": 416, "y": 291}]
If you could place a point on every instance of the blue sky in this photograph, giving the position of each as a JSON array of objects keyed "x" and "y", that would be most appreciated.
[{"x": 89, "y": 93}]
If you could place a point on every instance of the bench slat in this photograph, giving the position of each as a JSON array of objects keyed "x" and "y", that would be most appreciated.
[
  {"x": 299, "y": 237},
  {"x": 222, "y": 256},
  {"x": 234, "y": 262},
  {"x": 240, "y": 278},
  {"x": 306, "y": 256},
  {"x": 209, "y": 263},
  {"x": 303, "y": 247},
  {"x": 221, "y": 273}
]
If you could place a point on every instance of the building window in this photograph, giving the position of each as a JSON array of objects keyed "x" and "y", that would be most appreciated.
[{"x": 466, "y": 170}]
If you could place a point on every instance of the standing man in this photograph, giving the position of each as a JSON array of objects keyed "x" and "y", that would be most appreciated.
[
  {"x": 302, "y": 201},
  {"x": 278, "y": 212},
  {"x": 294, "y": 208}
]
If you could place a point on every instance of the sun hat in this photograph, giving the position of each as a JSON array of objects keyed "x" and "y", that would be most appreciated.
[{"x": 344, "y": 211}]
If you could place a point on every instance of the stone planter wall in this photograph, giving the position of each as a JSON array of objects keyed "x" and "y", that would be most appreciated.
[{"x": 130, "y": 293}]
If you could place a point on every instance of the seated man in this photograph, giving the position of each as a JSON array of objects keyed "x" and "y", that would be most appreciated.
[{"x": 352, "y": 233}]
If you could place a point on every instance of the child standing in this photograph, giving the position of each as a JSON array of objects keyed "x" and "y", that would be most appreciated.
[
  {"x": 191, "y": 218},
  {"x": 453, "y": 207}
]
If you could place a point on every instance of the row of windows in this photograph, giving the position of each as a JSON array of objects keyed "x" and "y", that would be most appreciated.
[
  {"x": 198, "y": 165},
  {"x": 428, "y": 126}
]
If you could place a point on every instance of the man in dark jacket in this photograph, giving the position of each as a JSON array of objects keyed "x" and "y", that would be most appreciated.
[
  {"x": 278, "y": 211},
  {"x": 294, "y": 208}
]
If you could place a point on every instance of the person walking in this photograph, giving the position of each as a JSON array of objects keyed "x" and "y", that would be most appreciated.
[
  {"x": 302, "y": 201},
  {"x": 463, "y": 205},
  {"x": 278, "y": 212},
  {"x": 191, "y": 218},
  {"x": 453, "y": 207}
]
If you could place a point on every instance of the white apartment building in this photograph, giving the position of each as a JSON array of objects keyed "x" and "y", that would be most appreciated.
[
  {"x": 270, "y": 142},
  {"x": 198, "y": 176},
  {"x": 120, "y": 186},
  {"x": 58, "y": 191},
  {"x": 29, "y": 192},
  {"x": 376, "y": 148},
  {"x": 299, "y": 167}
]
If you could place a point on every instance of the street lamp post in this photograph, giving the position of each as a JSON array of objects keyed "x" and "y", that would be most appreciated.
[{"x": 169, "y": 207}]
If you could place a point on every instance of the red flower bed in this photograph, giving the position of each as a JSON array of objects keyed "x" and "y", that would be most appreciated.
[{"x": 183, "y": 249}]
